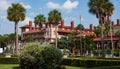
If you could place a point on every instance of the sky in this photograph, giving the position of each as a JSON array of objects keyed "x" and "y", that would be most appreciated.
[{"x": 71, "y": 10}]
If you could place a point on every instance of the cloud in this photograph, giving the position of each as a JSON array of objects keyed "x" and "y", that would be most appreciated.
[
  {"x": 53, "y": 5},
  {"x": 4, "y": 4},
  {"x": 68, "y": 5},
  {"x": 26, "y": 6}
]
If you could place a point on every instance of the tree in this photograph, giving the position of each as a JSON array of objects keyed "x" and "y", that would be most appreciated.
[
  {"x": 40, "y": 56},
  {"x": 55, "y": 17},
  {"x": 39, "y": 20},
  {"x": 62, "y": 42},
  {"x": 100, "y": 9},
  {"x": 118, "y": 33},
  {"x": 16, "y": 13},
  {"x": 2, "y": 42},
  {"x": 80, "y": 27},
  {"x": 29, "y": 38},
  {"x": 106, "y": 29},
  {"x": 97, "y": 30},
  {"x": 109, "y": 8}
]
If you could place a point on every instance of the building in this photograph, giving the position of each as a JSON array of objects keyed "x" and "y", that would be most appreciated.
[
  {"x": 107, "y": 40},
  {"x": 47, "y": 33}
]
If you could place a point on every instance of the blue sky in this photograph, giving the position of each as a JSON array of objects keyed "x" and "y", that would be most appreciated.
[{"x": 70, "y": 9}]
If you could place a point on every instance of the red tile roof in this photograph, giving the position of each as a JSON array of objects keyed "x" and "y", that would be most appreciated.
[
  {"x": 65, "y": 31},
  {"x": 106, "y": 39},
  {"x": 84, "y": 33},
  {"x": 34, "y": 31}
]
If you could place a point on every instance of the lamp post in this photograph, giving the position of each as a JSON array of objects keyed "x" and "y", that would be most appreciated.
[
  {"x": 84, "y": 44},
  {"x": 81, "y": 33},
  {"x": 67, "y": 42}
]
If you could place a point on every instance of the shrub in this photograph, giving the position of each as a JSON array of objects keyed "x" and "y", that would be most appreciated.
[
  {"x": 1, "y": 55},
  {"x": 90, "y": 62},
  {"x": 37, "y": 56},
  {"x": 14, "y": 55},
  {"x": 4, "y": 60}
]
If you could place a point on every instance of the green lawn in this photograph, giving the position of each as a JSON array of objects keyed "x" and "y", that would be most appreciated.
[
  {"x": 8, "y": 66},
  {"x": 107, "y": 67},
  {"x": 14, "y": 66}
]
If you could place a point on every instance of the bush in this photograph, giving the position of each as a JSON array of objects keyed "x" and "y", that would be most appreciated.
[
  {"x": 14, "y": 55},
  {"x": 37, "y": 56},
  {"x": 4, "y": 60},
  {"x": 1, "y": 55},
  {"x": 90, "y": 62}
]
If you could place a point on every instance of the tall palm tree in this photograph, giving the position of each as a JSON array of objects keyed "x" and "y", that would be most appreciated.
[
  {"x": 39, "y": 20},
  {"x": 97, "y": 30},
  {"x": 97, "y": 7},
  {"x": 80, "y": 27},
  {"x": 109, "y": 8},
  {"x": 16, "y": 13},
  {"x": 55, "y": 17},
  {"x": 106, "y": 29}
]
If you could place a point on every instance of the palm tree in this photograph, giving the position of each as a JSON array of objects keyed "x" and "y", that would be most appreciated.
[
  {"x": 16, "y": 13},
  {"x": 106, "y": 29},
  {"x": 80, "y": 27},
  {"x": 97, "y": 30},
  {"x": 97, "y": 8},
  {"x": 39, "y": 20},
  {"x": 55, "y": 17},
  {"x": 109, "y": 8}
]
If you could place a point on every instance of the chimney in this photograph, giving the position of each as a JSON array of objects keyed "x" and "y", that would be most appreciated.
[
  {"x": 112, "y": 23},
  {"x": 62, "y": 23},
  {"x": 94, "y": 27},
  {"x": 91, "y": 27},
  {"x": 35, "y": 27},
  {"x": 30, "y": 25},
  {"x": 72, "y": 24},
  {"x": 118, "y": 21}
]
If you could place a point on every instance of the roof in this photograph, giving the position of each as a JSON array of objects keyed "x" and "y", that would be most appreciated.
[
  {"x": 65, "y": 31},
  {"x": 66, "y": 27},
  {"x": 84, "y": 33},
  {"x": 106, "y": 39},
  {"x": 34, "y": 31}
]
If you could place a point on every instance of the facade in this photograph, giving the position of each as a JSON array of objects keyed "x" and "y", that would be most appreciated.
[
  {"x": 47, "y": 33},
  {"x": 107, "y": 40}
]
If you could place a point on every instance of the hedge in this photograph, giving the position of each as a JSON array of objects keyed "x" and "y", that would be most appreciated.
[
  {"x": 11, "y": 60},
  {"x": 90, "y": 62}
]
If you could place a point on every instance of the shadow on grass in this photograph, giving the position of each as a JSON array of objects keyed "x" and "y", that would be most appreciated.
[{"x": 16, "y": 67}]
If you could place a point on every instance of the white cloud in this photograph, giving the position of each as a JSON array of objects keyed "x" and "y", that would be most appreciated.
[
  {"x": 53, "y": 5},
  {"x": 4, "y": 4},
  {"x": 68, "y": 5},
  {"x": 26, "y": 6},
  {"x": 3, "y": 17}
]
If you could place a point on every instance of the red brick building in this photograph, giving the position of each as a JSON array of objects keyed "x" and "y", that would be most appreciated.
[{"x": 47, "y": 33}]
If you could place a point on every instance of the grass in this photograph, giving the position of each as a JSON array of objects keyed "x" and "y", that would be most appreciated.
[
  {"x": 8, "y": 66},
  {"x": 107, "y": 67},
  {"x": 14, "y": 66}
]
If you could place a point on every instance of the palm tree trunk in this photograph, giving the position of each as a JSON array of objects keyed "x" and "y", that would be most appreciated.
[
  {"x": 102, "y": 43},
  {"x": 56, "y": 35},
  {"x": 111, "y": 39},
  {"x": 16, "y": 37}
]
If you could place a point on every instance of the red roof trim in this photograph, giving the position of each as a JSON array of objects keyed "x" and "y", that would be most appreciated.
[
  {"x": 106, "y": 39},
  {"x": 34, "y": 31}
]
